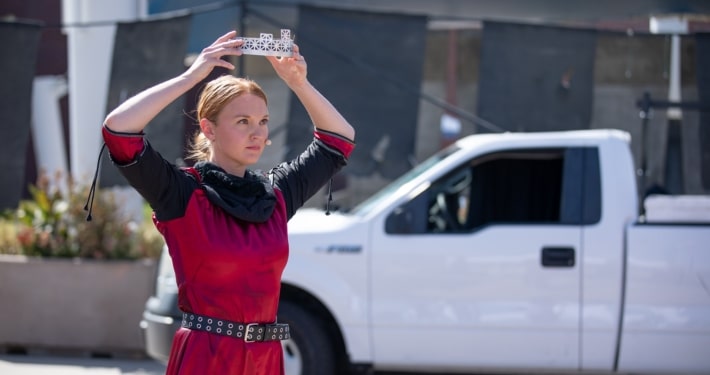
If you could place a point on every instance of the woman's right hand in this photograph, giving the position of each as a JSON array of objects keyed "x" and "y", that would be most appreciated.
[
  {"x": 211, "y": 57},
  {"x": 134, "y": 114}
]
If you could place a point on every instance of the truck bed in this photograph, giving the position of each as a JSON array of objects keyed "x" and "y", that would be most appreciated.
[{"x": 666, "y": 319}]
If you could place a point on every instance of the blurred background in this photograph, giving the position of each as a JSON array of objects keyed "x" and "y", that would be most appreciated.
[{"x": 411, "y": 76}]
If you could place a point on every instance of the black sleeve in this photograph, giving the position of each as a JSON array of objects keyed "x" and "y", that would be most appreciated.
[
  {"x": 303, "y": 177},
  {"x": 163, "y": 185}
]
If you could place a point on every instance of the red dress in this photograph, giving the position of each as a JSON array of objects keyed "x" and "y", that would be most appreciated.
[{"x": 228, "y": 251}]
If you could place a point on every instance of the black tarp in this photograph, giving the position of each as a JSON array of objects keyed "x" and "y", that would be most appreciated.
[
  {"x": 20, "y": 42},
  {"x": 144, "y": 54},
  {"x": 209, "y": 19},
  {"x": 702, "y": 53},
  {"x": 369, "y": 65},
  {"x": 536, "y": 78}
]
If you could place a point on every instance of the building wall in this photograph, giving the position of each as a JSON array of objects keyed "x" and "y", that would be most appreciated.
[
  {"x": 52, "y": 56},
  {"x": 625, "y": 68}
]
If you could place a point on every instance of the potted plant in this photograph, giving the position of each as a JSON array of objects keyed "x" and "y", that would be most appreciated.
[{"x": 71, "y": 284}]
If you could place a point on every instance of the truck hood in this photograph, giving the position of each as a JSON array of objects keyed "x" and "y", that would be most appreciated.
[{"x": 311, "y": 220}]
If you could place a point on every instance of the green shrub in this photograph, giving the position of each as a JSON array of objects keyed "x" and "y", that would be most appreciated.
[{"x": 52, "y": 223}]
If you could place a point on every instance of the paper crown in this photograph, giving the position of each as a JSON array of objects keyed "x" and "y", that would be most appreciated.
[{"x": 266, "y": 45}]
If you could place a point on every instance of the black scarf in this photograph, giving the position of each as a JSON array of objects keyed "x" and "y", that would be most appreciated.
[{"x": 250, "y": 198}]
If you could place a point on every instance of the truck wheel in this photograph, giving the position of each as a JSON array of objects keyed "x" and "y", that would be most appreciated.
[{"x": 309, "y": 351}]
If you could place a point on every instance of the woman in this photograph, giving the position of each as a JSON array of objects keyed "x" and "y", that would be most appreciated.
[{"x": 225, "y": 225}]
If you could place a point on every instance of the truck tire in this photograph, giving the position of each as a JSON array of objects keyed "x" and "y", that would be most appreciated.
[{"x": 309, "y": 351}]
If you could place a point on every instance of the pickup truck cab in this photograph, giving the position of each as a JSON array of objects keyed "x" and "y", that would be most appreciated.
[{"x": 502, "y": 252}]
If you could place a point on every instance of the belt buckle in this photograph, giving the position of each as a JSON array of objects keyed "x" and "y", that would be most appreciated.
[{"x": 246, "y": 332}]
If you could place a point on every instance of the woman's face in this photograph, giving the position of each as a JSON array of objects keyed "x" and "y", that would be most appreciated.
[{"x": 240, "y": 134}]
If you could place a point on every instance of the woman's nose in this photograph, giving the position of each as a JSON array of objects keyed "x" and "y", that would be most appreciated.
[{"x": 261, "y": 132}]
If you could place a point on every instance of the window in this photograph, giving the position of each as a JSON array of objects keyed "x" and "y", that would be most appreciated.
[
  {"x": 505, "y": 187},
  {"x": 535, "y": 186},
  {"x": 385, "y": 193}
]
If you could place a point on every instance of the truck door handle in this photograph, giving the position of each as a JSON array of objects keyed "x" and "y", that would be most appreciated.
[{"x": 558, "y": 257}]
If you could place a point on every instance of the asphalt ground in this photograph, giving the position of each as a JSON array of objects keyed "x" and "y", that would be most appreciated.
[
  {"x": 27, "y": 364},
  {"x": 40, "y": 364},
  {"x": 16, "y": 364}
]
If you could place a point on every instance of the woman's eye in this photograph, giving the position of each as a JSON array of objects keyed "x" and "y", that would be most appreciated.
[
  {"x": 264, "y": 121},
  {"x": 243, "y": 121}
]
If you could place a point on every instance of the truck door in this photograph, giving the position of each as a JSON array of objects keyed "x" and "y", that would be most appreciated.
[{"x": 480, "y": 270}]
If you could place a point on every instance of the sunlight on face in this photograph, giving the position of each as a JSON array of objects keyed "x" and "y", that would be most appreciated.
[{"x": 240, "y": 133}]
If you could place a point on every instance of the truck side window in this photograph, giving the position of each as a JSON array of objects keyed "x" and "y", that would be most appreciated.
[
  {"x": 533, "y": 186},
  {"x": 449, "y": 201},
  {"x": 515, "y": 187}
]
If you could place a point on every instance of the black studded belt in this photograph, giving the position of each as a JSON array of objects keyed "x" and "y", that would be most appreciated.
[{"x": 249, "y": 332}]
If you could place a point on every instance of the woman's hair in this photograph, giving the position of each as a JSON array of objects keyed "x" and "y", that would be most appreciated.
[{"x": 213, "y": 98}]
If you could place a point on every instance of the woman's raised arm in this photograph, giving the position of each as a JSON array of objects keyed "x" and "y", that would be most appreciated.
[
  {"x": 135, "y": 113},
  {"x": 293, "y": 71}
]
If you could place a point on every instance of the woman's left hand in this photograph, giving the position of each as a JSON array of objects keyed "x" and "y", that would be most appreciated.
[{"x": 292, "y": 70}]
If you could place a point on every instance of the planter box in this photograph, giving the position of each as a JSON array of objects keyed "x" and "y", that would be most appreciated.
[{"x": 66, "y": 304}]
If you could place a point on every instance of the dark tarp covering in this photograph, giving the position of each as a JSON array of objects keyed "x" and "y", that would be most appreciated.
[
  {"x": 359, "y": 61},
  {"x": 536, "y": 78},
  {"x": 209, "y": 20},
  {"x": 144, "y": 54},
  {"x": 702, "y": 51},
  {"x": 20, "y": 43}
]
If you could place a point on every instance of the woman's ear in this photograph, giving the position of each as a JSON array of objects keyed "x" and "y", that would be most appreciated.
[{"x": 207, "y": 128}]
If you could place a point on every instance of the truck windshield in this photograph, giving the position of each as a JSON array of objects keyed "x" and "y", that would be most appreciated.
[{"x": 369, "y": 204}]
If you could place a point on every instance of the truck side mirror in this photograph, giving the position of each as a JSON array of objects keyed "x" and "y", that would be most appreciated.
[
  {"x": 399, "y": 221},
  {"x": 409, "y": 218}
]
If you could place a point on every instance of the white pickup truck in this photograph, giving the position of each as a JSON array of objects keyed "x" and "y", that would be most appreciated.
[{"x": 504, "y": 252}]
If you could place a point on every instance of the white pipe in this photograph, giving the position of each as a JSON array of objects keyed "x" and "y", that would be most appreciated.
[
  {"x": 674, "y": 92},
  {"x": 47, "y": 133},
  {"x": 673, "y": 25},
  {"x": 90, "y": 26}
]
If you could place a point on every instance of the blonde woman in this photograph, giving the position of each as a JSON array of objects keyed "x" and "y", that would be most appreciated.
[{"x": 224, "y": 224}]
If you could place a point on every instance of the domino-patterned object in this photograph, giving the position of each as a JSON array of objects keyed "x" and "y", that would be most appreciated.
[{"x": 266, "y": 45}]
